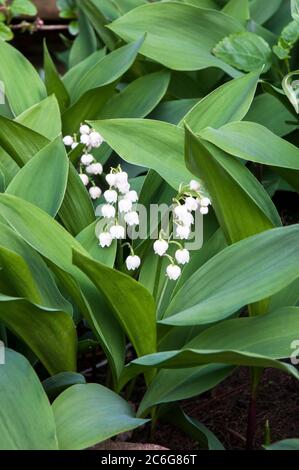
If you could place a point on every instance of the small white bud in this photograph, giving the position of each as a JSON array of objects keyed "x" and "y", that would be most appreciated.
[
  {"x": 111, "y": 179},
  {"x": 132, "y": 195},
  {"x": 84, "y": 178},
  {"x": 108, "y": 211},
  {"x": 117, "y": 232},
  {"x": 68, "y": 140},
  {"x": 95, "y": 139},
  {"x": 86, "y": 159},
  {"x": 194, "y": 185},
  {"x": 85, "y": 129},
  {"x": 95, "y": 169},
  {"x": 125, "y": 205},
  {"x": 132, "y": 218},
  {"x": 95, "y": 192},
  {"x": 105, "y": 239},
  {"x": 182, "y": 232},
  {"x": 160, "y": 247},
  {"x": 173, "y": 272},
  {"x": 191, "y": 204},
  {"x": 133, "y": 262},
  {"x": 84, "y": 139},
  {"x": 182, "y": 256},
  {"x": 205, "y": 202},
  {"x": 204, "y": 210},
  {"x": 111, "y": 196}
]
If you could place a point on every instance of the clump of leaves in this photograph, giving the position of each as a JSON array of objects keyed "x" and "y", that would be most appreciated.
[{"x": 10, "y": 10}]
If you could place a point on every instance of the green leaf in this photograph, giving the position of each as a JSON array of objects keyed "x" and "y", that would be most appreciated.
[
  {"x": 20, "y": 142},
  {"x": 174, "y": 385},
  {"x": 229, "y": 102},
  {"x": 243, "y": 273},
  {"x": 173, "y": 111},
  {"x": 244, "y": 51},
  {"x": 43, "y": 118},
  {"x": 43, "y": 180},
  {"x": 76, "y": 211},
  {"x": 88, "y": 414},
  {"x": 131, "y": 303},
  {"x": 175, "y": 32},
  {"x": 53, "y": 81},
  {"x": 160, "y": 146},
  {"x": 138, "y": 99},
  {"x": 263, "y": 11},
  {"x": 239, "y": 9},
  {"x": 6, "y": 33},
  {"x": 257, "y": 341},
  {"x": 108, "y": 70},
  {"x": 287, "y": 444},
  {"x": 56, "y": 384},
  {"x": 98, "y": 21},
  {"x": 242, "y": 206},
  {"x": 291, "y": 89},
  {"x": 253, "y": 142},
  {"x": 23, "y": 86},
  {"x": 85, "y": 43},
  {"x": 49, "y": 333},
  {"x": 23, "y": 398},
  {"x": 8, "y": 166},
  {"x": 23, "y": 7},
  {"x": 295, "y": 10},
  {"x": 89, "y": 240}
]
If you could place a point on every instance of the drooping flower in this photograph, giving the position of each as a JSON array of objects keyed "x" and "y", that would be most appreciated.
[
  {"x": 117, "y": 232},
  {"x": 194, "y": 185},
  {"x": 182, "y": 232},
  {"x": 173, "y": 272},
  {"x": 86, "y": 159},
  {"x": 108, "y": 211},
  {"x": 132, "y": 196},
  {"x": 68, "y": 140},
  {"x": 110, "y": 196},
  {"x": 84, "y": 129},
  {"x": 85, "y": 139},
  {"x": 95, "y": 192},
  {"x": 160, "y": 247},
  {"x": 133, "y": 262},
  {"x": 125, "y": 205},
  {"x": 205, "y": 202},
  {"x": 105, "y": 239},
  {"x": 191, "y": 204},
  {"x": 95, "y": 169},
  {"x": 95, "y": 139},
  {"x": 132, "y": 218},
  {"x": 204, "y": 210},
  {"x": 84, "y": 178},
  {"x": 111, "y": 179},
  {"x": 182, "y": 256}
]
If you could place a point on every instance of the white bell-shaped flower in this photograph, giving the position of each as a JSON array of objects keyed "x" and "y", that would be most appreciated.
[
  {"x": 86, "y": 159},
  {"x": 160, "y": 247},
  {"x": 110, "y": 196},
  {"x": 84, "y": 139},
  {"x": 173, "y": 272},
  {"x": 108, "y": 211},
  {"x": 204, "y": 210},
  {"x": 191, "y": 204},
  {"x": 111, "y": 179},
  {"x": 68, "y": 140},
  {"x": 123, "y": 188},
  {"x": 205, "y": 202},
  {"x": 125, "y": 205},
  {"x": 132, "y": 218},
  {"x": 105, "y": 239},
  {"x": 132, "y": 196},
  {"x": 194, "y": 185},
  {"x": 117, "y": 232},
  {"x": 182, "y": 256},
  {"x": 95, "y": 192},
  {"x": 182, "y": 232},
  {"x": 133, "y": 262},
  {"x": 84, "y": 129},
  {"x": 95, "y": 169},
  {"x": 84, "y": 178},
  {"x": 95, "y": 139}
]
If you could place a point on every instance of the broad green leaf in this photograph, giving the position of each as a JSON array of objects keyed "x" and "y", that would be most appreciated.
[
  {"x": 251, "y": 141},
  {"x": 108, "y": 70},
  {"x": 56, "y": 384},
  {"x": 20, "y": 142},
  {"x": 6, "y": 33},
  {"x": 98, "y": 21},
  {"x": 262, "y": 11},
  {"x": 287, "y": 297},
  {"x": 76, "y": 211},
  {"x": 243, "y": 273},
  {"x": 85, "y": 43},
  {"x": 173, "y": 385},
  {"x": 49, "y": 333},
  {"x": 43, "y": 180},
  {"x": 24, "y": 406},
  {"x": 156, "y": 145},
  {"x": 53, "y": 242},
  {"x": 8, "y": 166},
  {"x": 43, "y": 117},
  {"x": 239, "y": 9},
  {"x": 23, "y": 7},
  {"x": 287, "y": 444},
  {"x": 193, "y": 428},
  {"x": 88, "y": 414},
  {"x": 229, "y": 102},
  {"x": 2, "y": 181},
  {"x": 271, "y": 113},
  {"x": 87, "y": 107},
  {"x": 258, "y": 341},
  {"x": 89, "y": 240},
  {"x": 23, "y": 86},
  {"x": 48, "y": 293},
  {"x": 175, "y": 32},
  {"x": 138, "y": 99},
  {"x": 242, "y": 206},
  {"x": 131, "y": 303},
  {"x": 173, "y": 111},
  {"x": 53, "y": 81},
  {"x": 244, "y": 51}
]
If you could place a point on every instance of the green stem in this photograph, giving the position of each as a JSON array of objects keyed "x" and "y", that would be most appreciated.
[{"x": 251, "y": 422}]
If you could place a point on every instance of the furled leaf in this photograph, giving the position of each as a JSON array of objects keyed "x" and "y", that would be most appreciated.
[
  {"x": 56, "y": 384},
  {"x": 167, "y": 41},
  {"x": 53, "y": 81},
  {"x": 244, "y": 51},
  {"x": 291, "y": 88}
]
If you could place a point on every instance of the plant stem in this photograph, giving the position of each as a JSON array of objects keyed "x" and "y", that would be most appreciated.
[{"x": 251, "y": 422}]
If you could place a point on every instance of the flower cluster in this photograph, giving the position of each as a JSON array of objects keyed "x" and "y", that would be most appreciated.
[
  {"x": 189, "y": 199},
  {"x": 119, "y": 206},
  {"x": 89, "y": 167}
]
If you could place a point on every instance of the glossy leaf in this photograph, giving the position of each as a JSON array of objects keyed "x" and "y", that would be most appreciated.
[
  {"x": 56, "y": 384},
  {"x": 53, "y": 81},
  {"x": 89, "y": 240}
]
